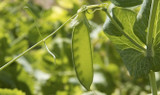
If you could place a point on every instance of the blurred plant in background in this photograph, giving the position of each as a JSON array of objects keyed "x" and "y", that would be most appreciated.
[{"x": 36, "y": 72}]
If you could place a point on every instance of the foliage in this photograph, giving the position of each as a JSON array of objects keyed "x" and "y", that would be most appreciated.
[
  {"x": 36, "y": 73},
  {"x": 10, "y": 92}
]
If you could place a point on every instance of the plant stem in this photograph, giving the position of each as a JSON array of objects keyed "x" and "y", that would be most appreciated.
[
  {"x": 150, "y": 31},
  {"x": 150, "y": 51},
  {"x": 10, "y": 62},
  {"x": 121, "y": 30},
  {"x": 153, "y": 83}
]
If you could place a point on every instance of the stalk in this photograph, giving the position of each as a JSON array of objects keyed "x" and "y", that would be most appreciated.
[{"x": 153, "y": 83}]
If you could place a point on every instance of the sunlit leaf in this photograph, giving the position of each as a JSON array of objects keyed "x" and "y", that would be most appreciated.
[
  {"x": 136, "y": 67},
  {"x": 127, "y": 19},
  {"x": 141, "y": 24}
]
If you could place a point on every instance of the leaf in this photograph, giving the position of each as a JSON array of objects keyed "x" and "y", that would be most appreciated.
[
  {"x": 112, "y": 54},
  {"x": 155, "y": 60},
  {"x": 157, "y": 28},
  {"x": 110, "y": 29},
  {"x": 3, "y": 49},
  {"x": 15, "y": 76},
  {"x": 19, "y": 47},
  {"x": 127, "y": 19},
  {"x": 11, "y": 92},
  {"x": 82, "y": 53},
  {"x": 141, "y": 23},
  {"x": 32, "y": 10},
  {"x": 136, "y": 62},
  {"x": 133, "y": 57},
  {"x": 126, "y": 3}
]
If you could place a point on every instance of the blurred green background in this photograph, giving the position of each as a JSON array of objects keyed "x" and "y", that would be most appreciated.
[{"x": 36, "y": 72}]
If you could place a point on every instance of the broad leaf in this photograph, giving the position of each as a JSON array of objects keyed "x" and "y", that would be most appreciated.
[
  {"x": 132, "y": 56},
  {"x": 110, "y": 29},
  {"x": 3, "y": 50},
  {"x": 136, "y": 62},
  {"x": 140, "y": 30},
  {"x": 141, "y": 24},
  {"x": 127, "y": 19},
  {"x": 157, "y": 28},
  {"x": 126, "y": 3},
  {"x": 156, "y": 60}
]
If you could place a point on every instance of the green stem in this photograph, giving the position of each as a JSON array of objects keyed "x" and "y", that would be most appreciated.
[
  {"x": 153, "y": 83},
  {"x": 151, "y": 28},
  {"x": 121, "y": 30},
  {"x": 150, "y": 51},
  {"x": 10, "y": 62}
]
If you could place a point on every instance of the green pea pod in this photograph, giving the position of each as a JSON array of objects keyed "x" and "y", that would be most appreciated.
[{"x": 82, "y": 53}]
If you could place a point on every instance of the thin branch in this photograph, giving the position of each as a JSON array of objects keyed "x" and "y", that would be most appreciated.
[{"x": 14, "y": 59}]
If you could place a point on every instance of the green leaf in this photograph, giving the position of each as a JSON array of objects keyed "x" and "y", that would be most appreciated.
[
  {"x": 127, "y": 19},
  {"x": 136, "y": 62},
  {"x": 157, "y": 28},
  {"x": 110, "y": 29},
  {"x": 132, "y": 56},
  {"x": 82, "y": 53},
  {"x": 19, "y": 47},
  {"x": 126, "y": 3},
  {"x": 141, "y": 23},
  {"x": 32, "y": 10},
  {"x": 112, "y": 54},
  {"x": 155, "y": 60},
  {"x": 15, "y": 76},
  {"x": 3, "y": 49},
  {"x": 11, "y": 92}
]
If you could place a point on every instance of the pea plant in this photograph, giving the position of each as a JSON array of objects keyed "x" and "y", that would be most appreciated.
[{"x": 136, "y": 37}]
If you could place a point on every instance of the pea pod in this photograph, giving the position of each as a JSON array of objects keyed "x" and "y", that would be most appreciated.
[{"x": 82, "y": 53}]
